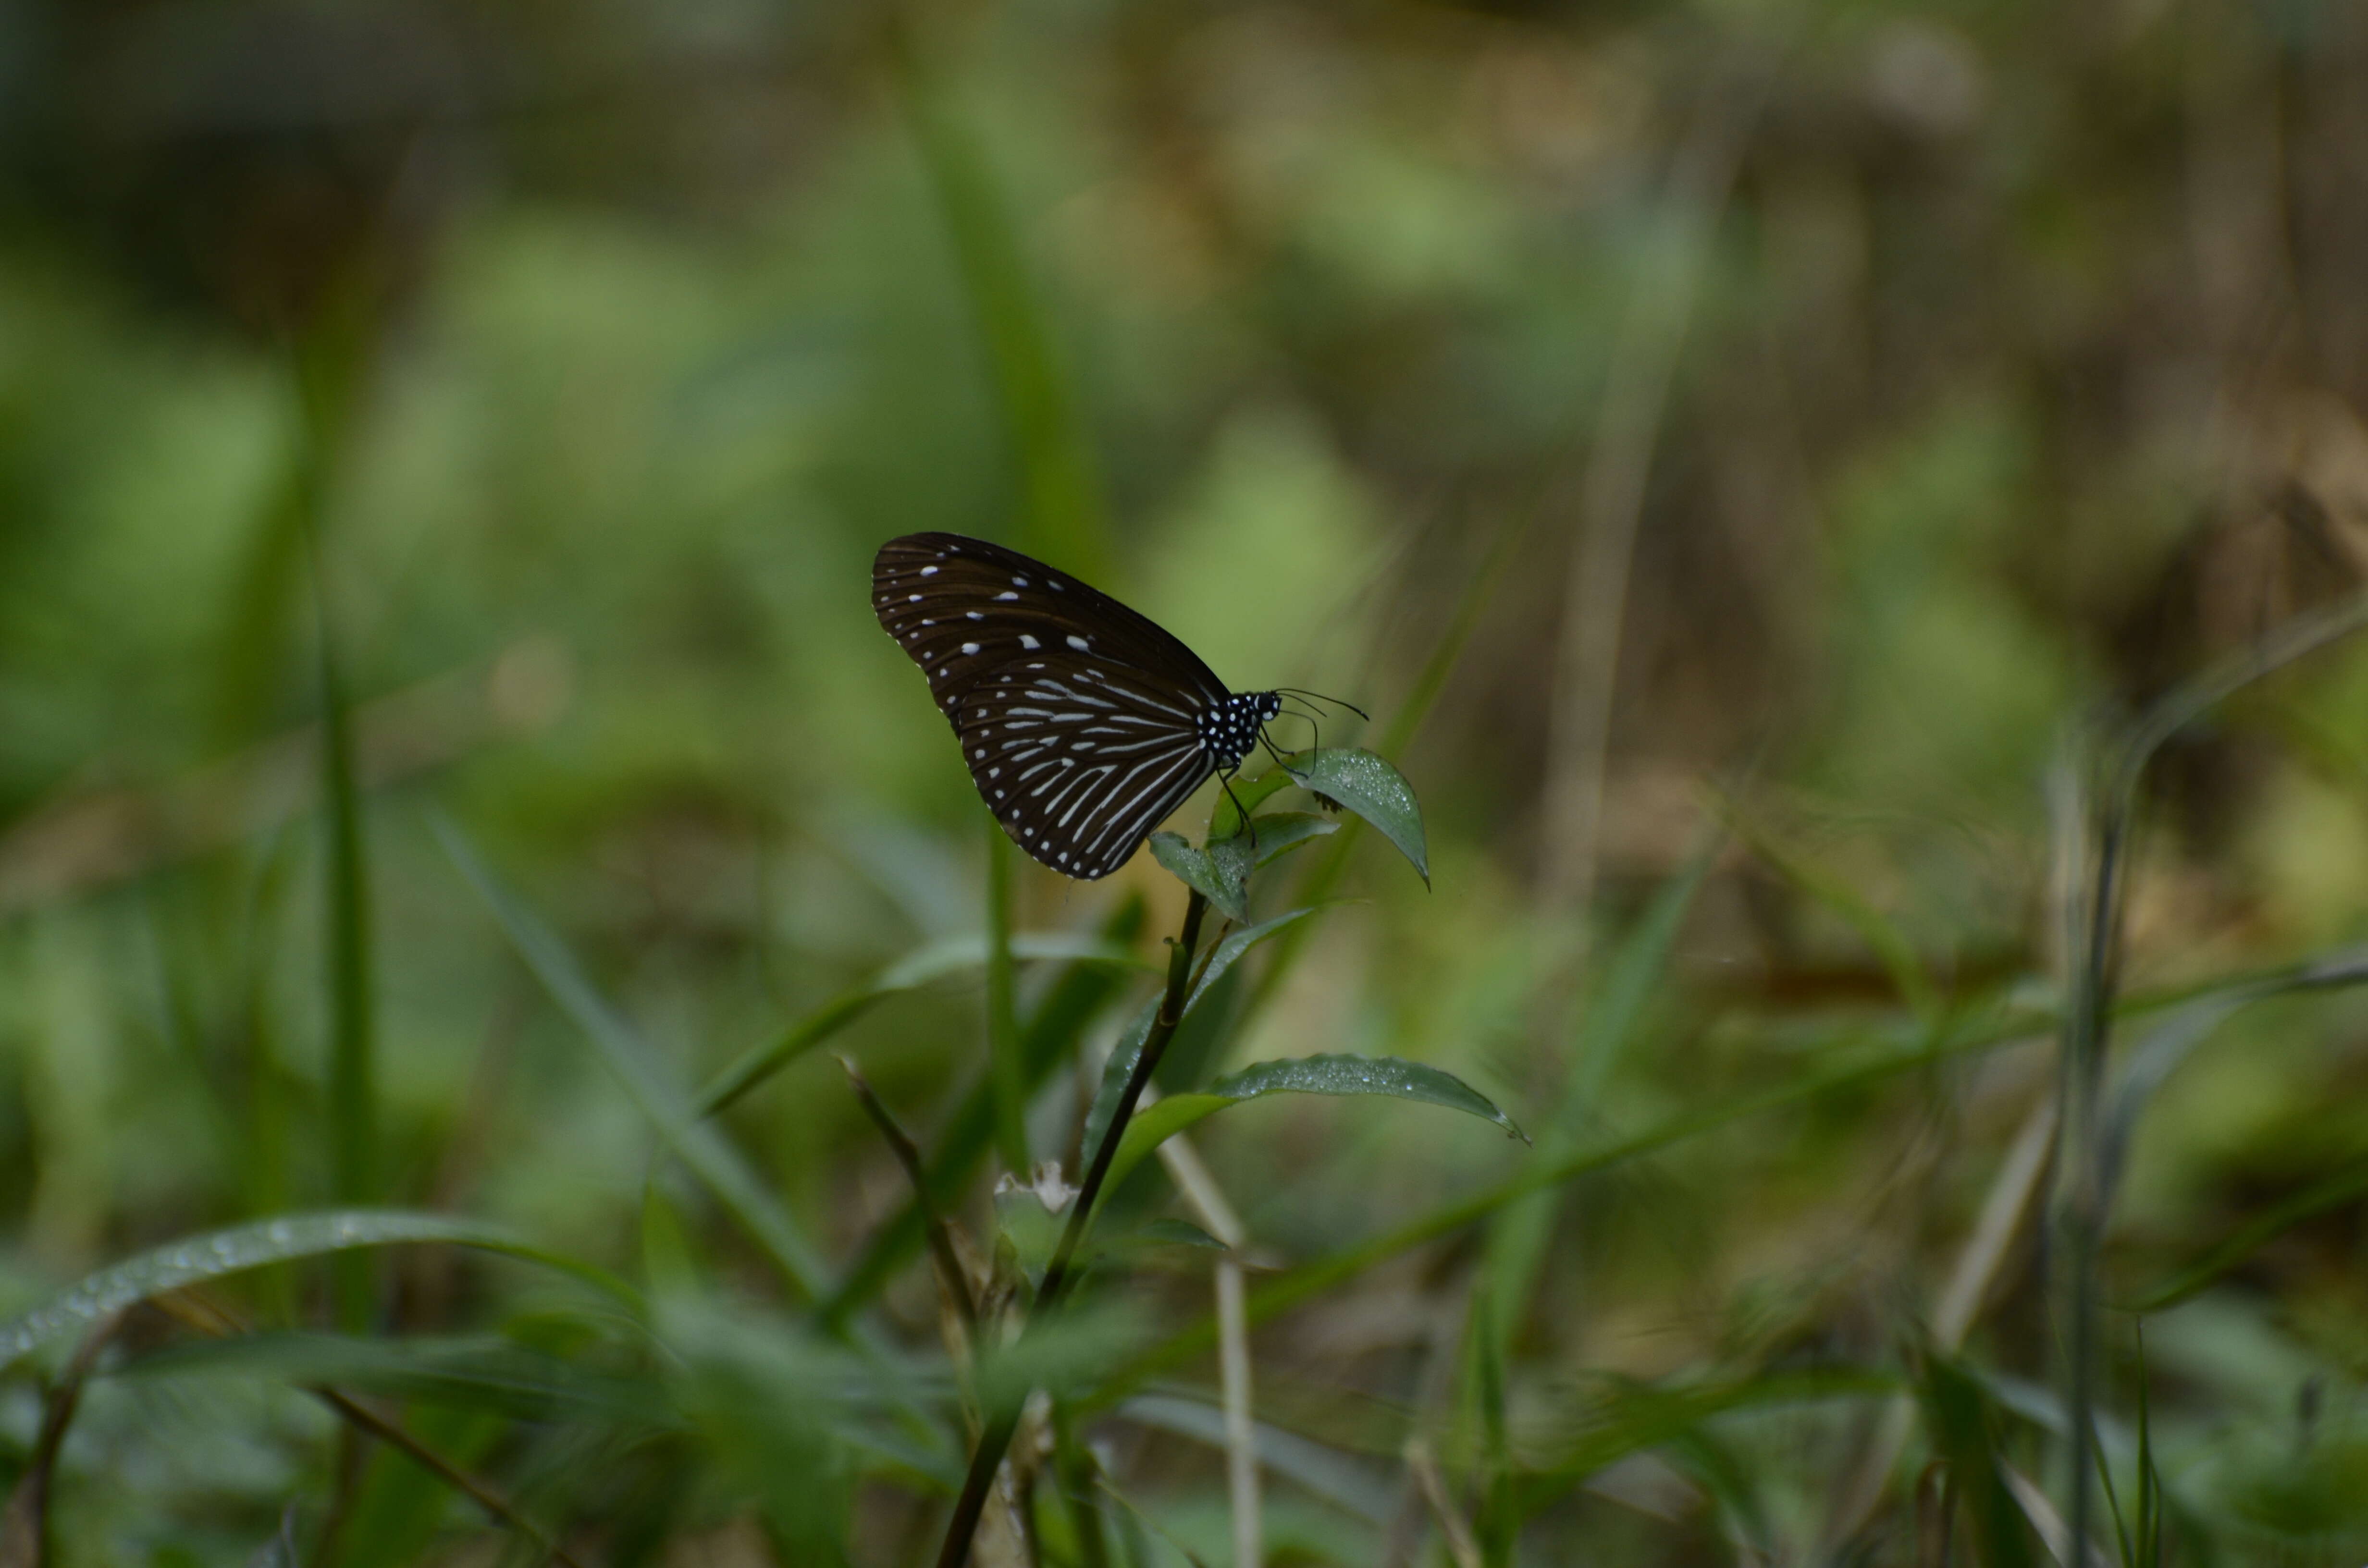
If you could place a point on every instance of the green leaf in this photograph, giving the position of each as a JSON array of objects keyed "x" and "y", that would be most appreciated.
[
  {"x": 1365, "y": 784},
  {"x": 1278, "y": 834},
  {"x": 214, "y": 1253},
  {"x": 696, "y": 1143},
  {"x": 1221, "y": 885},
  {"x": 1120, "y": 1065},
  {"x": 1220, "y": 872},
  {"x": 1302, "y": 1076},
  {"x": 1225, "y": 820}
]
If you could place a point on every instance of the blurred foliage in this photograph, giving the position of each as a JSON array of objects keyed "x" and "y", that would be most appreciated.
[{"x": 484, "y": 413}]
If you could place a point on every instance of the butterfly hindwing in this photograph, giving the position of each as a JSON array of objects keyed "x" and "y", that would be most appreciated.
[
  {"x": 1083, "y": 723},
  {"x": 1078, "y": 764}
]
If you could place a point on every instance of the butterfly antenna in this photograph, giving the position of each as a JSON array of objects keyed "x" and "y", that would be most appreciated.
[{"x": 1302, "y": 691}]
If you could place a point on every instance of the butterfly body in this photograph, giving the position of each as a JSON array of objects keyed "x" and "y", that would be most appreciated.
[{"x": 1083, "y": 724}]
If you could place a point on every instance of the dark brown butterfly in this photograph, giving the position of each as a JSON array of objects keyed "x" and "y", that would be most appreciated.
[{"x": 1083, "y": 724}]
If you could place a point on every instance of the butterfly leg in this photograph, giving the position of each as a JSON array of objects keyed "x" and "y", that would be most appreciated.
[{"x": 1225, "y": 782}]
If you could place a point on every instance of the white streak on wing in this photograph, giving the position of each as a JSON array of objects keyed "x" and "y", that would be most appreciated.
[
  {"x": 1168, "y": 788},
  {"x": 1067, "y": 782},
  {"x": 1108, "y": 748},
  {"x": 1104, "y": 770},
  {"x": 1051, "y": 690},
  {"x": 1144, "y": 700},
  {"x": 1168, "y": 765}
]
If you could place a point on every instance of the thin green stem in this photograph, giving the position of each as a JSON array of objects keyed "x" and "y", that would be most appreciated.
[
  {"x": 996, "y": 1440},
  {"x": 1005, "y": 1070},
  {"x": 352, "y": 1125},
  {"x": 2088, "y": 1019}
]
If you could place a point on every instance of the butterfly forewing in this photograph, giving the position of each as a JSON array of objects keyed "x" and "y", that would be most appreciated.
[{"x": 1082, "y": 722}]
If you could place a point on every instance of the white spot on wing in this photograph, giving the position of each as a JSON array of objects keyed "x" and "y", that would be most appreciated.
[
  {"x": 1077, "y": 642},
  {"x": 970, "y": 647},
  {"x": 929, "y": 571}
]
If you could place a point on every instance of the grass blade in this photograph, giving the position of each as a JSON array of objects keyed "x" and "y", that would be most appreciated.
[
  {"x": 920, "y": 968},
  {"x": 1063, "y": 517},
  {"x": 1636, "y": 1419},
  {"x": 1965, "y": 1430},
  {"x": 1005, "y": 1070},
  {"x": 1516, "y": 1241},
  {"x": 696, "y": 1143},
  {"x": 195, "y": 1259}
]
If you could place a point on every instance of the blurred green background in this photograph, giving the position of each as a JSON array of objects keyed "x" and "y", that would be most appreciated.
[{"x": 1741, "y": 455}]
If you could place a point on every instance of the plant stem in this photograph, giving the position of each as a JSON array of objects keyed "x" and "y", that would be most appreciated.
[
  {"x": 995, "y": 1440},
  {"x": 2088, "y": 1019},
  {"x": 1004, "y": 1068}
]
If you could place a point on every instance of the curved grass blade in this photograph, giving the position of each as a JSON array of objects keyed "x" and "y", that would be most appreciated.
[
  {"x": 211, "y": 1255},
  {"x": 698, "y": 1144},
  {"x": 1348, "y": 1482},
  {"x": 1640, "y": 1418},
  {"x": 916, "y": 970},
  {"x": 2345, "y": 1186},
  {"x": 1883, "y": 937},
  {"x": 1302, "y": 1076},
  {"x": 1065, "y": 516},
  {"x": 492, "y": 1375},
  {"x": 1517, "y": 1239}
]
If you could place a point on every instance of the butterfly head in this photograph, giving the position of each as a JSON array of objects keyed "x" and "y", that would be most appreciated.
[{"x": 1229, "y": 730}]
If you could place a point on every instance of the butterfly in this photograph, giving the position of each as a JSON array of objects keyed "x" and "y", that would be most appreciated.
[{"x": 1083, "y": 723}]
